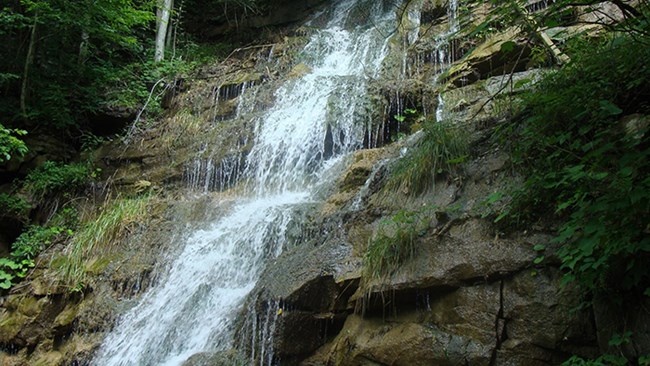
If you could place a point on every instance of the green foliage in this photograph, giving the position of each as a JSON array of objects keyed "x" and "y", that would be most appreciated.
[
  {"x": 442, "y": 148},
  {"x": 14, "y": 205},
  {"x": 10, "y": 144},
  {"x": 53, "y": 177},
  {"x": 394, "y": 243},
  {"x": 609, "y": 359},
  {"x": 96, "y": 233},
  {"x": 73, "y": 41},
  {"x": 603, "y": 360},
  {"x": 584, "y": 168},
  {"x": 26, "y": 247},
  {"x": 130, "y": 86}
]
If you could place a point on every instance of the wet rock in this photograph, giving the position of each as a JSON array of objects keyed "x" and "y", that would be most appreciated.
[
  {"x": 11, "y": 324},
  {"x": 64, "y": 321},
  {"x": 224, "y": 358},
  {"x": 375, "y": 342},
  {"x": 469, "y": 312}
]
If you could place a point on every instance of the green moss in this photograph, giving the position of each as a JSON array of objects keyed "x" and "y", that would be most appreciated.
[
  {"x": 10, "y": 325},
  {"x": 29, "y": 306},
  {"x": 67, "y": 316}
]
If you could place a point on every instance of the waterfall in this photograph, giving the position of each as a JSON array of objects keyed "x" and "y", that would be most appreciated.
[
  {"x": 445, "y": 51},
  {"x": 316, "y": 120}
]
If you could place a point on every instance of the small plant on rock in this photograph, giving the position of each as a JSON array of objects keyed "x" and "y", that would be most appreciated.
[
  {"x": 440, "y": 151},
  {"x": 394, "y": 243}
]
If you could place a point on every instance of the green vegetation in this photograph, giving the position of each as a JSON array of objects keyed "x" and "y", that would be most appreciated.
[
  {"x": 442, "y": 148},
  {"x": 609, "y": 359},
  {"x": 10, "y": 145},
  {"x": 14, "y": 205},
  {"x": 94, "y": 235},
  {"x": 588, "y": 168},
  {"x": 394, "y": 243},
  {"x": 61, "y": 52},
  {"x": 67, "y": 61},
  {"x": 30, "y": 243},
  {"x": 53, "y": 177}
]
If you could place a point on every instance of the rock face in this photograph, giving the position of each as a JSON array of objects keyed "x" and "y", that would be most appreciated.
[{"x": 470, "y": 294}]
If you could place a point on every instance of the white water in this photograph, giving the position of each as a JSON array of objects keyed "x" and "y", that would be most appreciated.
[{"x": 193, "y": 307}]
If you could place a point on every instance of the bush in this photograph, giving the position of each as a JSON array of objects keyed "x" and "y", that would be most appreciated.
[
  {"x": 584, "y": 169},
  {"x": 10, "y": 145},
  {"x": 26, "y": 247},
  {"x": 53, "y": 177},
  {"x": 13, "y": 205}
]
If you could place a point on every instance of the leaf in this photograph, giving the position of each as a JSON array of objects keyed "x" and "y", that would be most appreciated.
[
  {"x": 539, "y": 247},
  {"x": 479, "y": 28},
  {"x": 539, "y": 259},
  {"x": 610, "y": 107},
  {"x": 620, "y": 339},
  {"x": 551, "y": 23},
  {"x": 4, "y": 262},
  {"x": 508, "y": 46},
  {"x": 458, "y": 160}
]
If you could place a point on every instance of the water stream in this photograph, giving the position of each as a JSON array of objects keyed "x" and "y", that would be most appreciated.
[{"x": 315, "y": 122}]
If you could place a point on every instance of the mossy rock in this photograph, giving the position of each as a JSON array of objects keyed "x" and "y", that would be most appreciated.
[
  {"x": 67, "y": 316},
  {"x": 30, "y": 306},
  {"x": 501, "y": 54},
  {"x": 97, "y": 265},
  {"x": 49, "y": 359},
  {"x": 11, "y": 323}
]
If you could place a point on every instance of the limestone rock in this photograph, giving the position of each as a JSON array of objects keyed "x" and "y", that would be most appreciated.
[
  {"x": 503, "y": 53},
  {"x": 470, "y": 253}
]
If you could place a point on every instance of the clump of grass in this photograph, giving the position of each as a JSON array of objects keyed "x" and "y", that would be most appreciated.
[
  {"x": 441, "y": 150},
  {"x": 95, "y": 235},
  {"x": 393, "y": 245}
]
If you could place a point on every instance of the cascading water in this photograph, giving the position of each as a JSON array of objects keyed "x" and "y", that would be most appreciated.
[
  {"x": 445, "y": 50},
  {"x": 316, "y": 120}
]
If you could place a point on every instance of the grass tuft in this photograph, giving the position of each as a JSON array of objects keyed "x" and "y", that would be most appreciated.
[
  {"x": 96, "y": 233},
  {"x": 441, "y": 150}
]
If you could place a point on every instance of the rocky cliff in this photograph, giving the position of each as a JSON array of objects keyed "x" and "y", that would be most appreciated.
[{"x": 471, "y": 293}]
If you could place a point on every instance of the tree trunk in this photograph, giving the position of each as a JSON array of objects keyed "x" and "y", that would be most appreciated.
[
  {"x": 170, "y": 29},
  {"x": 83, "y": 48},
  {"x": 164, "y": 12},
  {"x": 29, "y": 59}
]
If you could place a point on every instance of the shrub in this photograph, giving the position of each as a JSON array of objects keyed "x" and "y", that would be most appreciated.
[
  {"x": 14, "y": 205},
  {"x": 26, "y": 247},
  {"x": 10, "y": 145},
  {"x": 583, "y": 169},
  {"x": 53, "y": 177}
]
